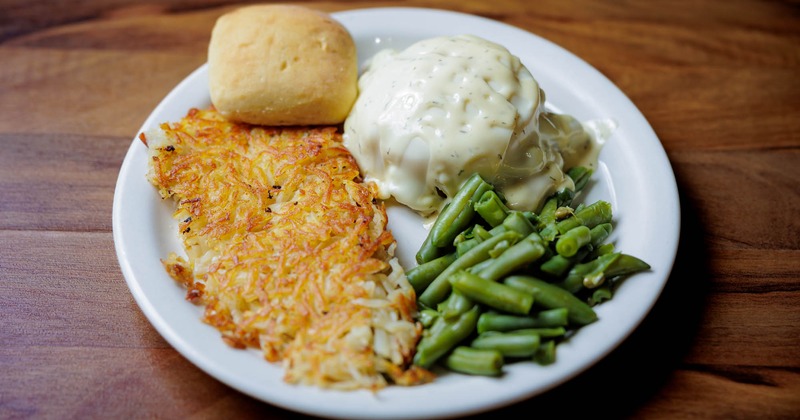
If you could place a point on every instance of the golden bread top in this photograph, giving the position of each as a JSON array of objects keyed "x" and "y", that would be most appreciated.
[{"x": 282, "y": 65}]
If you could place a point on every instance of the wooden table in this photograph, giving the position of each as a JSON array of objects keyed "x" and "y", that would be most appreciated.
[{"x": 718, "y": 80}]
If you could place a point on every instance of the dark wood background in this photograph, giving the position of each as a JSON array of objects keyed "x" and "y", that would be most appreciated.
[{"x": 718, "y": 81}]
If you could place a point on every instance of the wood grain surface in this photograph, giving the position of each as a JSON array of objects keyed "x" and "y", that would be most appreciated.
[{"x": 719, "y": 81}]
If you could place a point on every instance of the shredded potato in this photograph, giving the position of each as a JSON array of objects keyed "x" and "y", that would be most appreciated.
[{"x": 287, "y": 249}]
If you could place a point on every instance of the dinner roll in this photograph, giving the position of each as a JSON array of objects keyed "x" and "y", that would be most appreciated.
[{"x": 282, "y": 65}]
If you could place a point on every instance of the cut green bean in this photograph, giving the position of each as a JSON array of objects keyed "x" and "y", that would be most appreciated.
[
  {"x": 520, "y": 343},
  {"x": 590, "y": 216},
  {"x": 572, "y": 240},
  {"x": 550, "y": 296},
  {"x": 625, "y": 265},
  {"x": 564, "y": 197},
  {"x": 427, "y": 316},
  {"x": 465, "y": 245},
  {"x": 444, "y": 335},
  {"x": 440, "y": 286},
  {"x": 455, "y": 304},
  {"x": 492, "y": 294},
  {"x": 589, "y": 274},
  {"x": 428, "y": 252},
  {"x": 603, "y": 249},
  {"x": 558, "y": 265},
  {"x": 549, "y": 232},
  {"x": 498, "y": 229},
  {"x": 580, "y": 176},
  {"x": 494, "y": 321},
  {"x": 546, "y": 354},
  {"x": 547, "y": 318},
  {"x": 517, "y": 222},
  {"x": 551, "y": 332},
  {"x": 479, "y": 232},
  {"x": 600, "y": 233},
  {"x": 422, "y": 275},
  {"x": 499, "y": 249},
  {"x": 531, "y": 216},
  {"x": 547, "y": 215},
  {"x": 599, "y": 295},
  {"x": 524, "y": 252},
  {"x": 491, "y": 208},
  {"x": 475, "y": 269},
  {"x": 472, "y": 361},
  {"x": 459, "y": 214}
]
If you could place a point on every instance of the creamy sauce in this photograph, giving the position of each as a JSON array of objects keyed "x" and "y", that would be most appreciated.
[{"x": 429, "y": 116}]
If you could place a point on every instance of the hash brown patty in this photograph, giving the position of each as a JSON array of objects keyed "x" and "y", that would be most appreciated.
[{"x": 287, "y": 249}]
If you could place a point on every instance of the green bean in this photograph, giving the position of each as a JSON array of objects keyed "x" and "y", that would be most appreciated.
[
  {"x": 480, "y": 233},
  {"x": 498, "y": 229},
  {"x": 427, "y": 316},
  {"x": 572, "y": 240},
  {"x": 546, "y": 354},
  {"x": 491, "y": 209},
  {"x": 589, "y": 274},
  {"x": 455, "y": 305},
  {"x": 517, "y": 222},
  {"x": 603, "y": 249},
  {"x": 422, "y": 275},
  {"x": 440, "y": 286},
  {"x": 600, "y": 233},
  {"x": 550, "y": 296},
  {"x": 459, "y": 214},
  {"x": 549, "y": 232},
  {"x": 550, "y": 332},
  {"x": 564, "y": 197},
  {"x": 524, "y": 252},
  {"x": 499, "y": 249},
  {"x": 556, "y": 317},
  {"x": 475, "y": 269},
  {"x": 427, "y": 251},
  {"x": 463, "y": 236},
  {"x": 493, "y": 321},
  {"x": 531, "y": 216},
  {"x": 547, "y": 214},
  {"x": 521, "y": 343},
  {"x": 444, "y": 335},
  {"x": 474, "y": 361},
  {"x": 624, "y": 265},
  {"x": 492, "y": 294},
  {"x": 599, "y": 295},
  {"x": 465, "y": 245},
  {"x": 580, "y": 176},
  {"x": 590, "y": 216},
  {"x": 558, "y": 265}
]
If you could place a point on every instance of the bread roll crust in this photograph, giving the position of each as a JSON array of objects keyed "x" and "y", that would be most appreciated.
[{"x": 282, "y": 65}]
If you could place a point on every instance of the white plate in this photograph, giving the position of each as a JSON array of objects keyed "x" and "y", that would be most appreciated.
[{"x": 635, "y": 176}]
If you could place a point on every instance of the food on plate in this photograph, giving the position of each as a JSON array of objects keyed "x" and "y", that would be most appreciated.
[
  {"x": 455, "y": 127},
  {"x": 282, "y": 65},
  {"x": 279, "y": 185},
  {"x": 509, "y": 285},
  {"x": 429, "y": 116},
  {"x": 287, "y": 249}
]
